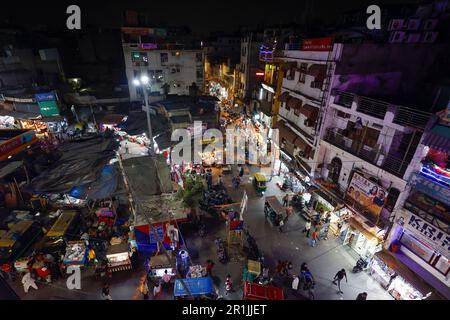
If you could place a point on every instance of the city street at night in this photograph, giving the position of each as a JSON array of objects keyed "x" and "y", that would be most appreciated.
[{"x": 211, "y": 160}]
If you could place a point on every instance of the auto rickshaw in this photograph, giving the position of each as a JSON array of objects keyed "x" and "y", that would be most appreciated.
[{"x": 259, "y": 181}]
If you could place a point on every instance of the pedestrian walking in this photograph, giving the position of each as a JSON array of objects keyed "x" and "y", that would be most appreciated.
[
  {"x": 228, "y": 284},
  {"x": 105, "y": 292},
  {"x": 362, "y": 296},
  {"x": 209, "y": 266},
  {"x": 341, "y": 274},
  {"x": 286, "y": 200},
  {"x": 28, "y": 282},
  {"x": 314, "y": 237},
  {"x": 126, "y": 147},
  {"x": 303, "y": 267},
  {"x": 295, "y": 284},
  {"x": 307, "y": 228},
  {"x": 144, "y": 290},
  {"x": 280, "y": 224},
  {"x": 241, "y": 171},
  {"x": 157, "y": 289},
  {"x": 166, "y": 278},
  {"x": 280, "y": 268},
  {"x": 289, "y": 267}
]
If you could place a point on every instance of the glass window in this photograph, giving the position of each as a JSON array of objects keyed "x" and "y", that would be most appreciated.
[
  {"x": 416, "y": 247},
  {"x": 443, "y": 265},
  {"x": 164, "y": 57},
  {"x": 139, "y": 58}
]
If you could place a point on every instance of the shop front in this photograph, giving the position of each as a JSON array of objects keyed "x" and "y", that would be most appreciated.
[
  {"x": 356, "y": 236},
  {"x": 420, "y": 240},
  {"x": 397, "y": 279}
]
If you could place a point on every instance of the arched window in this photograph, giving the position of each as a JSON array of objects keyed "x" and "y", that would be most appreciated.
[{"x": 335, "y": 170}]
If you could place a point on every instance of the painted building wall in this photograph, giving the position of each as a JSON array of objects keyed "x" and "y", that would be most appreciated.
[{"x": 179, "y": 71}]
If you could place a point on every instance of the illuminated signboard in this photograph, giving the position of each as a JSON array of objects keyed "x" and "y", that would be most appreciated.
[
  {"x": 268, "y": 88},
  {"x": 317, "y": 44}
]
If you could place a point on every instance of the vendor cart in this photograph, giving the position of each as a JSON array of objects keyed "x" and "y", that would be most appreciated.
[
  {"x": 253, "y": 291},
  {"x": 76, "y": 253},
  {"x": 160, "y": 263},
  {"x": 273, "y": 210},
  {"x": 118, "y": 257},
  {"x": 193, "y": 287}
]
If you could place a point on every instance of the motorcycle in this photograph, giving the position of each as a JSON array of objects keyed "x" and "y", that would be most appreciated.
[{"x": 361, "y": 265}]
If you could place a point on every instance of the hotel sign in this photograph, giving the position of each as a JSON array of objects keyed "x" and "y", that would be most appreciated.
[
  {"x": 317, "y": 44},
  {"x": 425, "y": 232}
]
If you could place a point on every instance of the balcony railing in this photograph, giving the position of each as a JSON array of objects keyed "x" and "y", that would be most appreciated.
[
  {"x": 371, "y": 107},
  {"x": 342, "y": 98},
  {"x": 410, "y": 117},
  {"x": 395, "y": 166},
  {"x": 355, "y": 147}
]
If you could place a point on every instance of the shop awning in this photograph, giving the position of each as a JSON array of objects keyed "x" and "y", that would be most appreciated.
[
  {"x": 53, "y": 119},
  {"x": 438, "y": 138},
  {"x": 393, "y": 263},
  {"x": 358, "y": 226},
  {"x": 20, "y": 115},
  {"x": 286, "y": 133},
  {"x": 294, "y": 103},
  {"x": 310, "y": 112},
  {"x": 9, "y": 168},
  {"x": 285, "y": 96}
]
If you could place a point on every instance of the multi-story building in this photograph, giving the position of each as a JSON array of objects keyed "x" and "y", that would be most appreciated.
[
  {"x": 251, "y": 68},
  {"x": 302, "y": 99},
  {"x": 420, "y": 235},
  {"x": 172, "y": 67},
  {"x": 370, "y": 136}
]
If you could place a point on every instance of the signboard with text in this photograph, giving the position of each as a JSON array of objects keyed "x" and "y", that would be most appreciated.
[
  {"x": 424, "y": 231},
  {"x": 47, "y": 104},
  {"x": 366, "y": 193},
  {"x": 317, "y": 44}
]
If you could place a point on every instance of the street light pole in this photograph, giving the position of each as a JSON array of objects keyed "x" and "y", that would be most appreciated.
[{"x": 149, "y": 122}]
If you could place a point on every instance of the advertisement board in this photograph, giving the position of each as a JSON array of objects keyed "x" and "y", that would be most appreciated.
[
  {"x": 366, "y": 193},
  {"x": 317, "y": 44},
  {"x": 431, "y": 188},
  {"x": 16, "y": 144},
  {"x": 425, "y": 232},
  {"x": 47, "y": 104}
]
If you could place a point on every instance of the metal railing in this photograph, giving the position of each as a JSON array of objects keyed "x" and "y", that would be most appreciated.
[
  {"x": 410, "y": 117},
  {"x": 394, "y": 165},
  {"x": 342, "y": 98},
  {"x": 371, "y": 107},
  {"x": 355, "y": 147}
]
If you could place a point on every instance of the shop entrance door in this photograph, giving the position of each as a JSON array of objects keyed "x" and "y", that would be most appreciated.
[{"x": 348, "y": 235}]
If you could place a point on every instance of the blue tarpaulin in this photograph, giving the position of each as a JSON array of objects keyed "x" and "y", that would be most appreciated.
[
  {"x": 102, "y": 188},
  {"x": 196, "y": 286}
]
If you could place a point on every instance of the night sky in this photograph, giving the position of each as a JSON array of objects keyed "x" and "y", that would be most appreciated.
[{"x": 200, "y": 15}]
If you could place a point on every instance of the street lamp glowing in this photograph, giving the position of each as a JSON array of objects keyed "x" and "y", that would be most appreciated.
[
  {"x": 145, "y": 79},
  {"x": 136, "y": 82}
]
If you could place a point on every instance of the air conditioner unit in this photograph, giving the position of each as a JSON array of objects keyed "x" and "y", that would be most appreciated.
[
  {"x": 396, "y": 24},
  {"x": 429, "y": 37},
  {"x": 430, "y": 24},
  {"x": 397, "y": 37},
  {"x": 413, "y": 24},
  {"x": 413, "y": 37}
]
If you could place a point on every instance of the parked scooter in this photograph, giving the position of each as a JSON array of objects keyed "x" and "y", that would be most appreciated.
[{"x": 361, "y": 265}]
